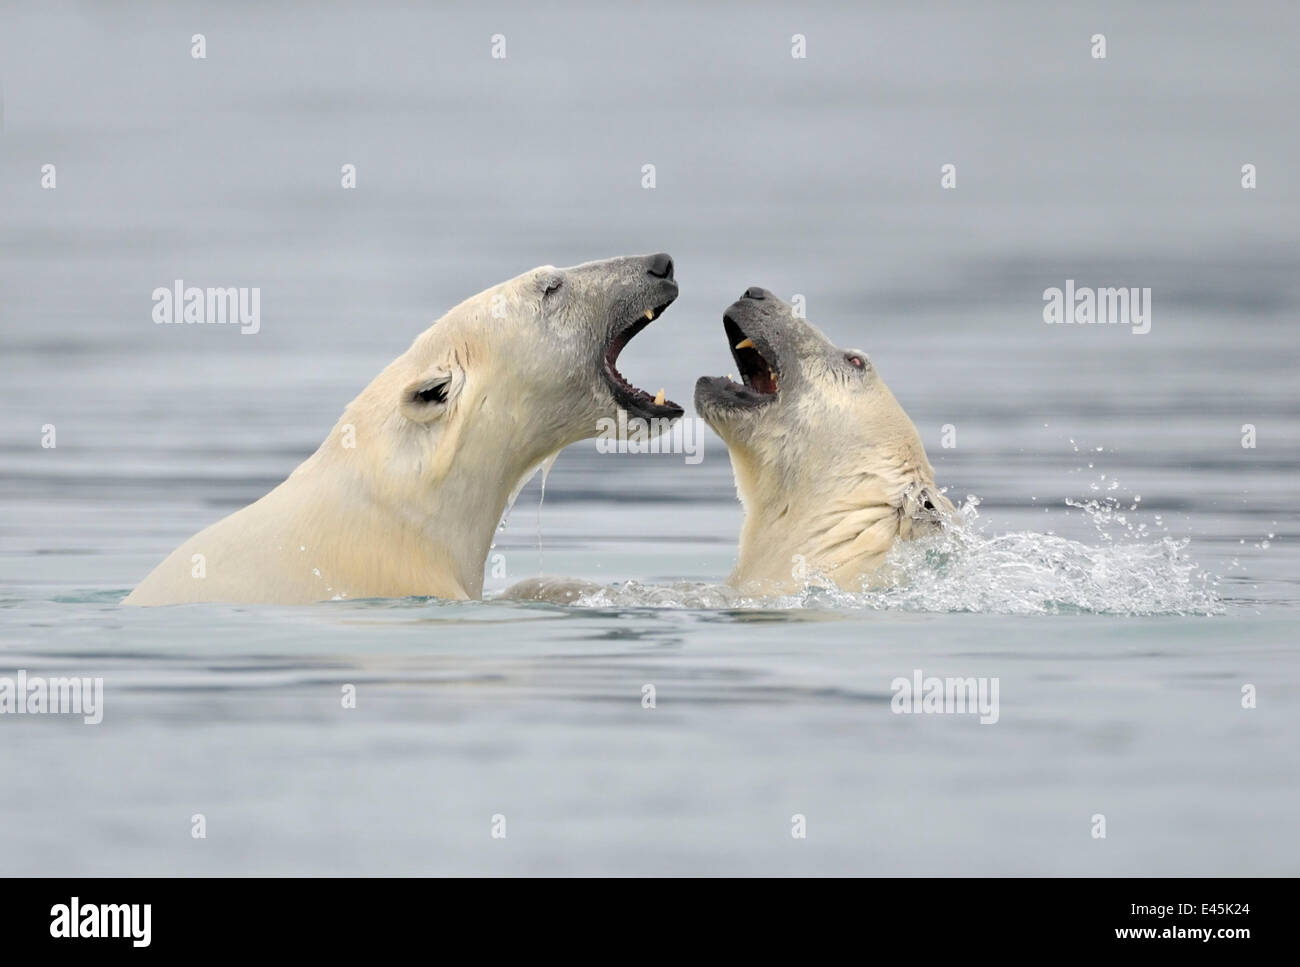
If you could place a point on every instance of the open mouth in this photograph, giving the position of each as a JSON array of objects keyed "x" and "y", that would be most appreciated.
[
  {"x": 756, "y": 372},
  {"x": 756, "y": 361},
  {"x": 635, "y": 400}
]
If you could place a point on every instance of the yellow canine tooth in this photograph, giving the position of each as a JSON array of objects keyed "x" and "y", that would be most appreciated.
[
  {"x": 745, "y": 343},
  {"x": 650, "y": 314},
  {"x": 659, "y": 398}
]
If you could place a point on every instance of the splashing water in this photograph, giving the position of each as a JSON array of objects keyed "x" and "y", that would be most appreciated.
[
  {"x": 1030, "y": 573},
  {"x": 545, "y": 467},
  {"x": 966, "y": 570}
]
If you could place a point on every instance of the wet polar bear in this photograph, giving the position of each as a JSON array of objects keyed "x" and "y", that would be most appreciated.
[
  {"x": 830, "y": 470},
  {"x": 404, "y": 496}
]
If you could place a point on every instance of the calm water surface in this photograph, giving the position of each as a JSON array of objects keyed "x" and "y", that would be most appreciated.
[{"x": 1128, "y": 568}]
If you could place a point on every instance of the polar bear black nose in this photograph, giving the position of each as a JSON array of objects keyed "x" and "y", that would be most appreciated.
[
  {"x": 661, "y": 266},
  {"x": 754, "y": 292}
]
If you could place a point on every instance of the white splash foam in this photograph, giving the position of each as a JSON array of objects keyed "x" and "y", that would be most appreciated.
[{"x": 965, "y": 570}]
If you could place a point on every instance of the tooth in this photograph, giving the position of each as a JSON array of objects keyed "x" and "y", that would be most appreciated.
[
  {"x": 745, "y": 343},
  {"x": 650, "y": 314},
  {"x": 659, "y": 398}
]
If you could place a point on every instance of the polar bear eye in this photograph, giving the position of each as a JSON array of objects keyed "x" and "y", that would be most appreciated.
[{"x": 552, "y": 285}]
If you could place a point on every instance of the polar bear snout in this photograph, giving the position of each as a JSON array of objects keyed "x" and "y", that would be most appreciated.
[
  {"x": 761, "y": 349},
  {"x": 639, "y": 302},
  {"x": 661, "y": 266}
]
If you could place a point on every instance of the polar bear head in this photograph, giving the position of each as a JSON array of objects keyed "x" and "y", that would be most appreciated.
[
  {"x": 547, "y": 343},
  {"x": 828, "y": 466},
  {"x": 444, "y": 436}
]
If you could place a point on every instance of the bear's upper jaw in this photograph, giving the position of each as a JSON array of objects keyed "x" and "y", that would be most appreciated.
[
  {"x": 754, "y": 357},
  {"x": 633, "y": 399}
]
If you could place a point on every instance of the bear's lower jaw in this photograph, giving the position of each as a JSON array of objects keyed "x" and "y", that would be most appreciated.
[
  {"x": 637, "y": 402},
  {"x": 722, "y": 393}
]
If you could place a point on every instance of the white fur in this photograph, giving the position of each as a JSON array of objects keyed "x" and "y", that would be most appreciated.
[
  {"x": 831, "y": 472},
  {"x": 412, "y": 508},
  {"x": 818, "y": 508}
]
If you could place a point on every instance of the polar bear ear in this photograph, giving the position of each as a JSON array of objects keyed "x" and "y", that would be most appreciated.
[
  {"x": 429, "y": 398},
  {"x": 929, "y": 511}
]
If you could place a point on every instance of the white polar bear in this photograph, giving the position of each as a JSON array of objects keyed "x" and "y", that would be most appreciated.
[
  {"x": 404, "y": 496},
  {"x": 829, "y": 468}
]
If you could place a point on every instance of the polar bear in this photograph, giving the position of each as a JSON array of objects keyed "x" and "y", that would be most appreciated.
[
  {"x": 404, "y": 496},
  {"x": 830, "y": 470}
]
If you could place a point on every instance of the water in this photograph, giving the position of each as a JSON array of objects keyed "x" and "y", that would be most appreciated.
[{"x": 1121, "y": 630}]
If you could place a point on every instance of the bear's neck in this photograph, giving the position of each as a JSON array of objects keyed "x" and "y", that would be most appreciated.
[
  {"x": 388, "y": 543},
  {"x": 465, "y": 518},
  {"x": 796, "y": 531},
  {"x": 784, "y": 550}
]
